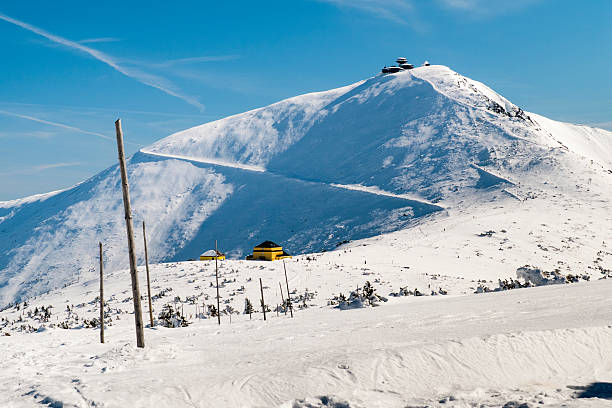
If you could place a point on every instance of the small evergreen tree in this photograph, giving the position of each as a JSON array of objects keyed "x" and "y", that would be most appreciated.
[
  {"x": 248, "y": 307},
  {"x": 368, "y": 290},
  {"x": 169, "y": 317},
  {"x": 212, "y": 310}
]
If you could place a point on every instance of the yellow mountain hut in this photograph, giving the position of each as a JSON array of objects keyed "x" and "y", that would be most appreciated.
[
  {"x": 268, "y": 251},
  {"x": 210, "y": 255}
]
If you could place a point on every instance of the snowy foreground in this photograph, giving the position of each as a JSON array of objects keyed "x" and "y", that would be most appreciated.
[
  {"x": 536, "y": 346},
  {"x": 539, "y": 346}
]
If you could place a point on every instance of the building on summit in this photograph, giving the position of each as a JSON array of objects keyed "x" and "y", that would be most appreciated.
[
  {"x": 268, "y": 251},
  {"x": 402, "y": 65}
]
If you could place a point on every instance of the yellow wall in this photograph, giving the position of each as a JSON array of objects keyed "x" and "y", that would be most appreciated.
[
  {"x": 212, "y": 258},
  {"x": 268, "y": 254}
]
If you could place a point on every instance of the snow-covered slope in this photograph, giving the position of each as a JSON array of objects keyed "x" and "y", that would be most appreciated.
[
  {"x": 381, "y": 155},
  {"x": 540, "y": 346}
]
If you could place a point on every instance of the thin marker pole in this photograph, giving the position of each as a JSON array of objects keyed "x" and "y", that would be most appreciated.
[
  {"x": 101, "y": 296},
  {"x": 144, "y": 236},
  {"x": 263, "y": 304},
  {"x": 289, "y": 304},
  {"x": 282, "y": 297},
  {"x": 217, "y": 278},
  {"x": 130, "y": 236}
]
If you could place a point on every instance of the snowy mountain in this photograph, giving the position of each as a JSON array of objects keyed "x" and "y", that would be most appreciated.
[{"x": 391, "y": 153}]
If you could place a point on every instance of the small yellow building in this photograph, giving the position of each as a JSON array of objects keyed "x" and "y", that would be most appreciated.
[
  {"x": 210, "y": 255},
  {"x": 268, "y": 251}
]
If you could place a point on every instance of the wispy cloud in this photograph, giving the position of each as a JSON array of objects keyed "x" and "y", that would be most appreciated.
[
  {"x": 486, "y": 8},
  {"x": 88, "y": 110},
  {"x": 407, "y": 11},
  {"x": 55, "y": 166},
  {"x": 39, "y": 168},
  {"x": 399, "y": 11},
  {"x": 34, "y": 134},
  {"x": 151, "y": 80},
  {"x": 190, "y": 60},
  {"x": 99, "y": 40},
  {"x": 56, "y": 124}
]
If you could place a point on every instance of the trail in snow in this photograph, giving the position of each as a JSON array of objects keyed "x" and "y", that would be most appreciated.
[
  {"x": 378, "y": 191},
  {"x": 260, "y": 169},
  {"x": 214, "y": 162}
]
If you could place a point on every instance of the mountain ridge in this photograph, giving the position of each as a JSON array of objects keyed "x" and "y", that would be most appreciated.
[{"x": 309, "y": 172}]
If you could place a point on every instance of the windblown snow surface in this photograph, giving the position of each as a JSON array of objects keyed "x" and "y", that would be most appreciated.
[{"x": 420, "y": 182}]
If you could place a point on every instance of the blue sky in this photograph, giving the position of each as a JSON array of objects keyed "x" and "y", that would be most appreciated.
[{"x": 69, "y": 71}]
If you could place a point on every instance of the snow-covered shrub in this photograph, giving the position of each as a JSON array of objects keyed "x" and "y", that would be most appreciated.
[
  {"x": 90, "y": 324},
  {"x": 303, "y": 299},
  {"x": 169, "y": 317},
  {"x": 229, "y": 310},
  {"x": 360, "y": 297},
  {"x": 404, "y": 291},
  {"x": 161, "y": 294},
  {"x": 482, "y": 288},
  {"x": 538, "y": 277},
  {"x": 508, "y": 284}
]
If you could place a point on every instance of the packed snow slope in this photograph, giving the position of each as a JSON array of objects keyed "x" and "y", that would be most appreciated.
[{"x": 381, "y": 155}]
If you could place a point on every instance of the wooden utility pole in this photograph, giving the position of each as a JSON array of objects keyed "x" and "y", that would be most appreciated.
[
  {"x": 217, "y": 278},
  {"x": 101, "y": 297},
  {"x": 130, "y": 237},
  {"x": 283, "y": 298},
  {"x": 144, "y": 236},
  {"x": 289, "y": 304},
  {"x": 263, "y": 304}
]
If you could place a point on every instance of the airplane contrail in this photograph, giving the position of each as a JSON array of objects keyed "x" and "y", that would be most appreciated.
[
  {"x": 142, "y": 77},
  {"x": 56, "y": 124}
]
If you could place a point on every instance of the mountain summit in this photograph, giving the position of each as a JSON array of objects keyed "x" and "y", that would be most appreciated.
[{"x": 309, "y": 172}]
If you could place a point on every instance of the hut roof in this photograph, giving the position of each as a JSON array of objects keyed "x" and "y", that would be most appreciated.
[
  {"x": 211, "y": 252},
  {"x": 268, "y": 244}
]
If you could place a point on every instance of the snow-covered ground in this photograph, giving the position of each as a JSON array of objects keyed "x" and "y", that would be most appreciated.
[
  {"x": 540, "y": 346},
  {"x": 537, "y": 345},
  {"x": 429, "y": 186}
]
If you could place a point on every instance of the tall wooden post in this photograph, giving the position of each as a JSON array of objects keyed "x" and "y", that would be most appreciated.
[
  {"x": 217, "y": 278},
  {"x": 289, "y": 304},
  {"x": 101, "y": 296},
  {"x": 263, "y": 304},
  {"x": 144, "y": 236},
  {"x": 283, "y": 298},
  {"x": 130, "y": 237}
]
